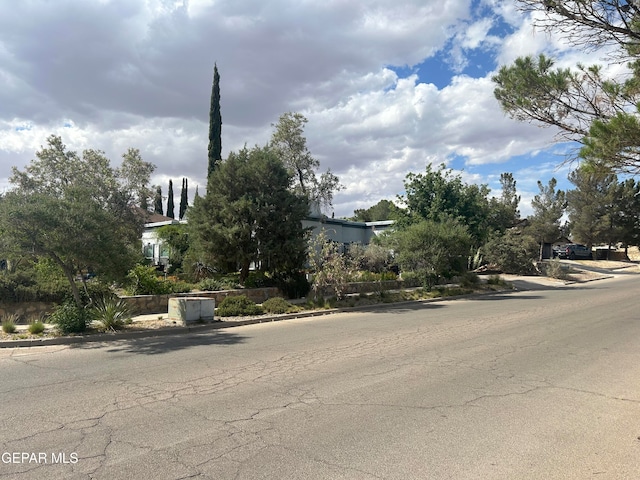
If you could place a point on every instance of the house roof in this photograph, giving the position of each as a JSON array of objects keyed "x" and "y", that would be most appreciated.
[{"x": 152, "y": 217}]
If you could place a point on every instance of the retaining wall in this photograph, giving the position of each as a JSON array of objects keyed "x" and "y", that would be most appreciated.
[{"x": 149, "y": 304}]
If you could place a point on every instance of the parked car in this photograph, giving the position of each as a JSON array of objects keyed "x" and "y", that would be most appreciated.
[{"x": 573, "y": 251}]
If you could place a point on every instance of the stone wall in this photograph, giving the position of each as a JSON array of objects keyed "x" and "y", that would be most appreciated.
[
  {"x": 147, "y": 304},
  {"x": 26, "y": 310},
  {"x": 141, "y": 304}
]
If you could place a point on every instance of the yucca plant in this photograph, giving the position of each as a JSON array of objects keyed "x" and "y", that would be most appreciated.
[{"x": 111, "y": 313}]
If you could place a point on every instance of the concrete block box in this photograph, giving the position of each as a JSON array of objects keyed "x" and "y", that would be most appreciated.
[{"x": 191, "y": 309}]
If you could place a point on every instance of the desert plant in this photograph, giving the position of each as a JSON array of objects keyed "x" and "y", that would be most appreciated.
[
  {"x": 36, "y": 327},
  {"x": 9, "y": 323},
  {"x": 210, "y": 285},
  {"x": 69, "y": 318},
  {"x": 555, "y": 269},
  {"x": 111, "y": 313},
  {"x": 496, "y": 280},
  {"x": 276, "y": 305},
  {"x": 238, "y": 306}
]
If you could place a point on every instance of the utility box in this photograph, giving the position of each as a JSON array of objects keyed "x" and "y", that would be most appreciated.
[{"x": 188, "y": 310}]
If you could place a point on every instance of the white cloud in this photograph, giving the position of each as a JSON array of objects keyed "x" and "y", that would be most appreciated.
[{"x": 138, "y": 73}]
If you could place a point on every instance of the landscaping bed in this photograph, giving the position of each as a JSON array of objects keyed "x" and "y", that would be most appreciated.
[{"x": 301, "y": 308}]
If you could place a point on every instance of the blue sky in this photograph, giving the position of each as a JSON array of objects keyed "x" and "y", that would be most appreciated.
[{"x": 387, "y": 86}]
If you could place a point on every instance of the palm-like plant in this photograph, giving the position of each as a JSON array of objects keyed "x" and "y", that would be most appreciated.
[{"x": 111, "y": 313}]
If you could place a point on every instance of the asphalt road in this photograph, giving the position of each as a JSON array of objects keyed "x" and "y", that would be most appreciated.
[{"x": 538, "y": 384}]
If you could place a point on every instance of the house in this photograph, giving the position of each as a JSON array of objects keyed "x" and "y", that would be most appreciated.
[
  {"x": 153, "y": 249},
  {"x": 344, "y": 232}
]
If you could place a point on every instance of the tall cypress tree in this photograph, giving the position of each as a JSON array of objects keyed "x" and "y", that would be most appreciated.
[
  {"x": 157, "y": 201},
  {"x": 184, "y": 198},
  {"x": 170, "y": 201},
  {"x": 215, "y": 124}
]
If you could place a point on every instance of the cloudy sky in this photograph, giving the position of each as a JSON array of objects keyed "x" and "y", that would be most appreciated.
[{"x": 388, "y": 86}]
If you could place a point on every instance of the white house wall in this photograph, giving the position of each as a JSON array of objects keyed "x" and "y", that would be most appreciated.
[{"x": 341, "y": 231}]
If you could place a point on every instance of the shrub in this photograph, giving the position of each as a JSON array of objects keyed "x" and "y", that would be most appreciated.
[
  {"x": 210, "y": 285},
  {"x": 111, "y": 313},
  {"x": 36, "y": 327},
  {"x": 180, "y": 287},
  {"x": 512, "y": 252},
  {"x": 143, "y": 280},
  {"x": 469, "y": 279},
  {"x": 69, "y": 318},
  {"x": 377, "y": 258},
  {"x": 9, "y": 323},
  {"x": 432, "y": 250},
  {"x": 238, "y": 306},
  {"x": 411, "y": 279},
  {"x": 276, "y": 305},
  {"x": 554, "y": 269},
  {"x": 258, "y": 280},
  {"x": 293, "y": 284},
  {"x": 496, "y": 280}
]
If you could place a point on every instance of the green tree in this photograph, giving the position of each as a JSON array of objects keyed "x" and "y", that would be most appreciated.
[
  {"x": 432, "y": 249},
  {"x": 215, "y": 124},
  {"x": 584, "y": 104},
  {"x": 626, "y": 212},
  {"x": 439, "y": 195},
  {"x": 170, "y": 205},
  {"x": 249, "y": 215},
  {"x": 290, "y": 144},
  {"x": 184, "y": 198},
  {"x": 75, "y": 210},
  {"x": 503, "y": 211},
  {"x": 509, "y": 197},
  {"x": 548, "y": 208},
  {"x": 590, "y": 205},
  {"x": 383, "y": 210},
  {"x": 157, "y": 201},
  {"x": 136, "y": 175},
  {"x": 176, "y": 237}
]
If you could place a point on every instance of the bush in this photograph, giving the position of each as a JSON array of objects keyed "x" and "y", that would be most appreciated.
[
  {"x": 210, "y": 285},
  {"x": 496, "y": 280},
  {"x": 180, "y": 287},
  {"x": 277, "y": 305},
  {"x": 9, "y": 323},
  {"x": 293, "y": 284},
  {"x": 367, "y": 276},
  {"x": 143, "y": 280},
  {"x": 258, "y": 280},
  {"x": 111, "y": 313},
  {"x": 512, "y": 252},
  {"x": 36, "y": 327},
  {"x": 554, "y": 269},
  {"x": 238, "y": 306},
  {"x": 433, "y": 250},
  {"x": 469, "y": 279},
  {"x": 69, "y": 318},
  {"x": 411, "y": 279}
]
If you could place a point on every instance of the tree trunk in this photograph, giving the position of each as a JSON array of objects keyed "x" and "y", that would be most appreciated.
[
  {"x": 69, "y": 274},
  {"x": 244, "y": 271}
]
